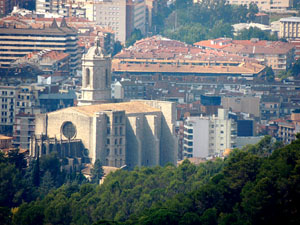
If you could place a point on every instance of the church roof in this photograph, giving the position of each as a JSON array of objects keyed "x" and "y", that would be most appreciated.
[{"x": 128, "y": 107}]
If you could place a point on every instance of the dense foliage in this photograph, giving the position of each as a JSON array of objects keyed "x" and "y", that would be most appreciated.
[
  {"x": 208, "y": 19},
  {"x": 256, "y": 185}
]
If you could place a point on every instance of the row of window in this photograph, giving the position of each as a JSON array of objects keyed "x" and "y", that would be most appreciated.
[
  {"x": 117, "y": 152},
  {"x": 120, "y": 142}
]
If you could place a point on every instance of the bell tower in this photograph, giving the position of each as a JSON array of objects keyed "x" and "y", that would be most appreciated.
[{"x": 96, "y": 76}]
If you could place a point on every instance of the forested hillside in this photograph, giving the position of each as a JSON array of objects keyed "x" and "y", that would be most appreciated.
[{"x": 256, "y": 185}]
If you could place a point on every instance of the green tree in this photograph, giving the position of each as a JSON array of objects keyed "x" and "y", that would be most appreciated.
[
  {"x": 135, "y": 36},
  {"x": 117, "y": 48},
  {"x": 270, "y": 76},
  {"x": 97, "y": 171}
]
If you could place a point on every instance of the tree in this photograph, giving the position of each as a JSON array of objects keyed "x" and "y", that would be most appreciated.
[
  {"x": 135, "y": 36},
  {"x": 269, "y": 74},
  {"x": 97, "y": 172},
  {"x": 253, "y": 9},
  {"x": 117, "y": 48}
]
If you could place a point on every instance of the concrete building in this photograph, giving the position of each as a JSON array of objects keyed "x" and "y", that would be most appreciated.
[
  {"x": 62, "y": 7},
  {"x": 122, "y": 16},
  {"x": 208, "y": 136},
  {"x": 18, "y": 42},
  {"x": 113, "y": 14},
  {"x": 246, "y": 104},
  {"x": 15, "y": 100},
  {"x": 280, "y": 5},
  {"x": 290, "y": 28},
  {"x": 126, "y": 89}
]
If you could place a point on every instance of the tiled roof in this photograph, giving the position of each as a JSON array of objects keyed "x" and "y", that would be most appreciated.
[{"x": 128, "y": 107}]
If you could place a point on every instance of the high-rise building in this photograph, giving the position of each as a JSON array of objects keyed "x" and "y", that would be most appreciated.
[
  {"x": 209, "y": 136},
  {"x": 123, "y": 16}
]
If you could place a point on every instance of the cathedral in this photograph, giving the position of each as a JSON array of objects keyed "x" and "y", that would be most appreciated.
[{"x": 135, "y": 133}]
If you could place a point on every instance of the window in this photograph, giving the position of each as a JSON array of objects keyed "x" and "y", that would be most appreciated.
[
  {"x": 120, "y": 141},
  {"x": 87, "y": 75},
  {"x": 116, "y": 141},
  {"x": 108, "y": 130},
  {"x": 116, "y": 119},
  {"x": 116, "y": 131},
  {"x": 120, "y": 151},
  {"x": 106, "y": 77},
  {"x": 116, "y": 151},
  {"x": 222, "y": 132},
  {"x": 108, "y": 141},
  {"x": 107, "y": 152},
  {"x": 121, "y": 130}
]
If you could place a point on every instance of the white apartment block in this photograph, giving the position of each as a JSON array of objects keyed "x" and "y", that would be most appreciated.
[
  {"x": 62, "y": 7},
  {"x": 265, "y": 5},
  {"x": 112, "y": 13},
  {"x": 15, "y": 100},
  {"x": 209, "y": 136},
  {"x": 122, "y": 16}
]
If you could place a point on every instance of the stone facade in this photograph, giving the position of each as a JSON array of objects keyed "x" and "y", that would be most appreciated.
[{"x": 137, "y": 133}]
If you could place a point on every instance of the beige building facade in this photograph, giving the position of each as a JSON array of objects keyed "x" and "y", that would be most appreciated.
[
  {"x": 137, "y": 133},
  {"x": 264, "y": 5},
  {"x": 290, "y": 28}
]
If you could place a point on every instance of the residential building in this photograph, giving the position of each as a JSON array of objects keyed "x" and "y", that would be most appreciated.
[
  {"x": 23, "y": 130},
  {"x": 62, "y": 7},
  {"x": 126, "y": 89},
  {"x": 280, "y": 5},
  {"x": 47, "y": 61},
  {"x": 290, "y": 28},
  {"x": 270, "y": 107},
  {"x": 159, "y": 55},
  {"x": 245, "y": 104},
  {"x": 209, "y": 136},
  {"x": 122, "y": 16},
  {"x": 113, "y": 14},
  {"x": 18, "y": 42},
  {"x": 276, "y": 54}
]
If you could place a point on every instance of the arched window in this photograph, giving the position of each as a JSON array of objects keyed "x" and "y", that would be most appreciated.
[
  {"x": 87, "y": 75},
  {"x": 106, "y": 78}
]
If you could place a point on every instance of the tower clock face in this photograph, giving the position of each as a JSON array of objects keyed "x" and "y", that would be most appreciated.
[{"x": 68, "y": 130}]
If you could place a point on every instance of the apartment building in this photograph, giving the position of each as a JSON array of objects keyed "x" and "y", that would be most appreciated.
[
  {"x": 113, "y": 14},
  {"x": 125, "y": 89},
  {"x": 18, "y": 42},
  {"x": 290, "y": 28},
  {"x": 122, "y": 16},
  {"x": 276, "y": 54},
  {"x": 62, "y": 7},
  {"x": 23, "y": 130},
  {"x": 5, "y": 7},
  {"x": 264, "y": 5},
  {"x": 209, "y": 136}
]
